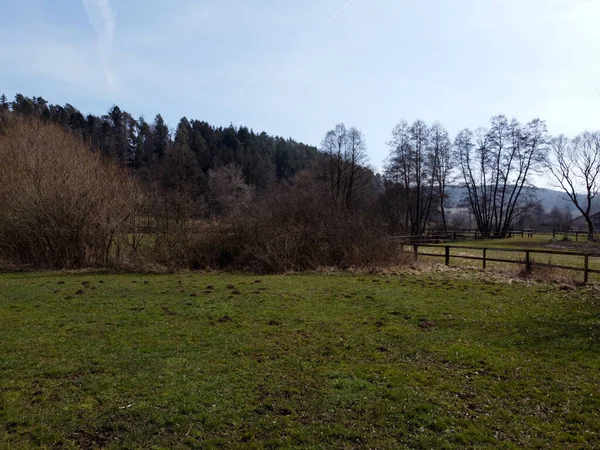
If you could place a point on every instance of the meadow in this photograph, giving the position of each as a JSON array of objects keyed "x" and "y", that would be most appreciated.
[
  {"x": 568, "y": 253},
  {"x": 404, "y": 360}
]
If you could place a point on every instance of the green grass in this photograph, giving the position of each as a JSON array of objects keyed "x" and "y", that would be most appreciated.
[{"x": 309, "y": 361}]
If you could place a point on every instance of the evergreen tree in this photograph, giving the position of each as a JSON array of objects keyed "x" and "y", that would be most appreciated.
[
  {"x": 183, "y": 133},
  {"x": 199, "y": 147},
  {"x": 160, "y": 133},
  {"x": 4, "y": 105},
  {"x": 118, "y": 132},
  {"x": 23, "y": 105},
  {"x": 141, "y": 145}
]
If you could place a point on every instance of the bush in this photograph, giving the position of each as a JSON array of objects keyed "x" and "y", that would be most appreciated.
[
  {"x": 61, "y": 206},
  {"x": 64, "y": 207},
  {"x": 297, "y": 227}
]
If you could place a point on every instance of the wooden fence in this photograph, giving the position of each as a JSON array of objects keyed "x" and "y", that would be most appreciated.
[
  {"x": 459, "y": 235},
  {"x": 527, "y": 260},
  {"x": 571, "y": 233}
]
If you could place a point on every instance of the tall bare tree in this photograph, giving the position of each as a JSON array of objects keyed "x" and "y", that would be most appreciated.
[
  {"x": 412, "y": 166},
  {"x": 443, "y": 163},
  {"x": 575, "y": 166},
  {"x": 495, "y": 165},
  {"x": 345, "y": 152}
]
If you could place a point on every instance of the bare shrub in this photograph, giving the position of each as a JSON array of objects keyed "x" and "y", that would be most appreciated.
[
  {"x": 297, "y": 227},
  {"x": 228, "y": 191},
  {"x": 186, "y": 245},
  {"x": 61, "y": 206},
  {"x": 175, "y": 195}
]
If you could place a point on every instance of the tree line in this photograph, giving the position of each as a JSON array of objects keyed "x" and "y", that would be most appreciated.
[
  {"x": 495, "y": 166},
  {"x": 200, "y": 171},
  {"x": 142, "y": 145}
]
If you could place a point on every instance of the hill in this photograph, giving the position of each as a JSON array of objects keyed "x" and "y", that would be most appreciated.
[
  {"x": 549, "y": 198},
  {"x": 151, "y": 146}
]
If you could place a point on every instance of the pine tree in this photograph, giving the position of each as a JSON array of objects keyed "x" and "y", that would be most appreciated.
[
  {"x": 183, "y": 133},
  {"x": 160, "y": 133}
]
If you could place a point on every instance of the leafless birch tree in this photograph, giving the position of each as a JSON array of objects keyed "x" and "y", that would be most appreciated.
[{"x": 575, "y": 166}]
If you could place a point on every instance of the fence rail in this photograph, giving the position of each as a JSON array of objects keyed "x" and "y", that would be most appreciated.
[
  {"x": 570, "y": 233},
  {"x": 460, "y": 235},
  {"x": 474, "y": 234},
  {"x": 527, "y": 253}
]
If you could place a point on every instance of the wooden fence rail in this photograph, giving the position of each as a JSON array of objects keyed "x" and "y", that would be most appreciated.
[
  {"x": 527, "y": 261},
  {"x": 459, "y": 235},
  {"x": 571, "y": 233}
]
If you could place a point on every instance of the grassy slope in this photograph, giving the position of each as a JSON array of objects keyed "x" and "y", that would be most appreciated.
[{"x": 319, "y": 361}]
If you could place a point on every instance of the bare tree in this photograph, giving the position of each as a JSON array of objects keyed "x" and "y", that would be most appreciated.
[
  {"x": 228, "y": 190},
  {"x": 176, "y": 194},
  {"x": 575, "y": 166},
  {"x": 560, "y": 218},
  {"x": 495, "y": 165},
  {"x": 443, "y": 163},
  {"x": 413, "y": 166},
  {"x": 345, "y": 151}
]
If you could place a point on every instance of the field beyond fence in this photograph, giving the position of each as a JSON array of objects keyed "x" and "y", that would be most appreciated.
[
  {"x": 473, "y": 234},
  {"x": 586, "y": 263}
]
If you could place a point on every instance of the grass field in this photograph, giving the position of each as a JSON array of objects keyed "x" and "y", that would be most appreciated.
[
  {"x": 310, "y": 361},
  {"x": 537, "y": 242}
]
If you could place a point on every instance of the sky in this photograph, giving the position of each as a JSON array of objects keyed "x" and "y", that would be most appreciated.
[{"x": 297, "y": 68}]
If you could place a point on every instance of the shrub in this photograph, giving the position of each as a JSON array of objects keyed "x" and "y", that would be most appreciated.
[
  {"x": 61, "y": 205},
  {"x": 296, "y": 227}
]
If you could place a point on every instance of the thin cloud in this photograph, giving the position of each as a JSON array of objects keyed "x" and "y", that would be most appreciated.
[{"x": 102, "y": 18}]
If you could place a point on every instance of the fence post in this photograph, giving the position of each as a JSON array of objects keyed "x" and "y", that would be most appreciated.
[
  {"x": 586, "y": 267},
  {"x": 416, "y": 251},
  {"x": 447, "y": 255},
  {"x": 553, "y": 234},
  {"x": 484, "y": 258},
  {"x": 527, "y": 262},
  {"x": 522, "y": 233}
]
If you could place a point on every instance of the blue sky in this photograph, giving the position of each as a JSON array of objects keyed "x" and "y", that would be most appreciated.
[{"x": 297, "y": 68}]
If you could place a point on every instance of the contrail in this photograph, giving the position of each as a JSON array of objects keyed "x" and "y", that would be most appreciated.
[
  {"x": 329, "y": 20},
  {"x": 248, "y": 84},
  {"x": 337, "y": 13},
  {"x": 103, "y": 18}
]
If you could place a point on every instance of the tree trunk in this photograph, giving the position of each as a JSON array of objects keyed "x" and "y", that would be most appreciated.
[{"x": 590, "y": 228}]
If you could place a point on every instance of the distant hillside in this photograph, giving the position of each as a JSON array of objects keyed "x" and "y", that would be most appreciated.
[
  {"x": 551, "y": 198},
  {"x": 548, "y": 197}
]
